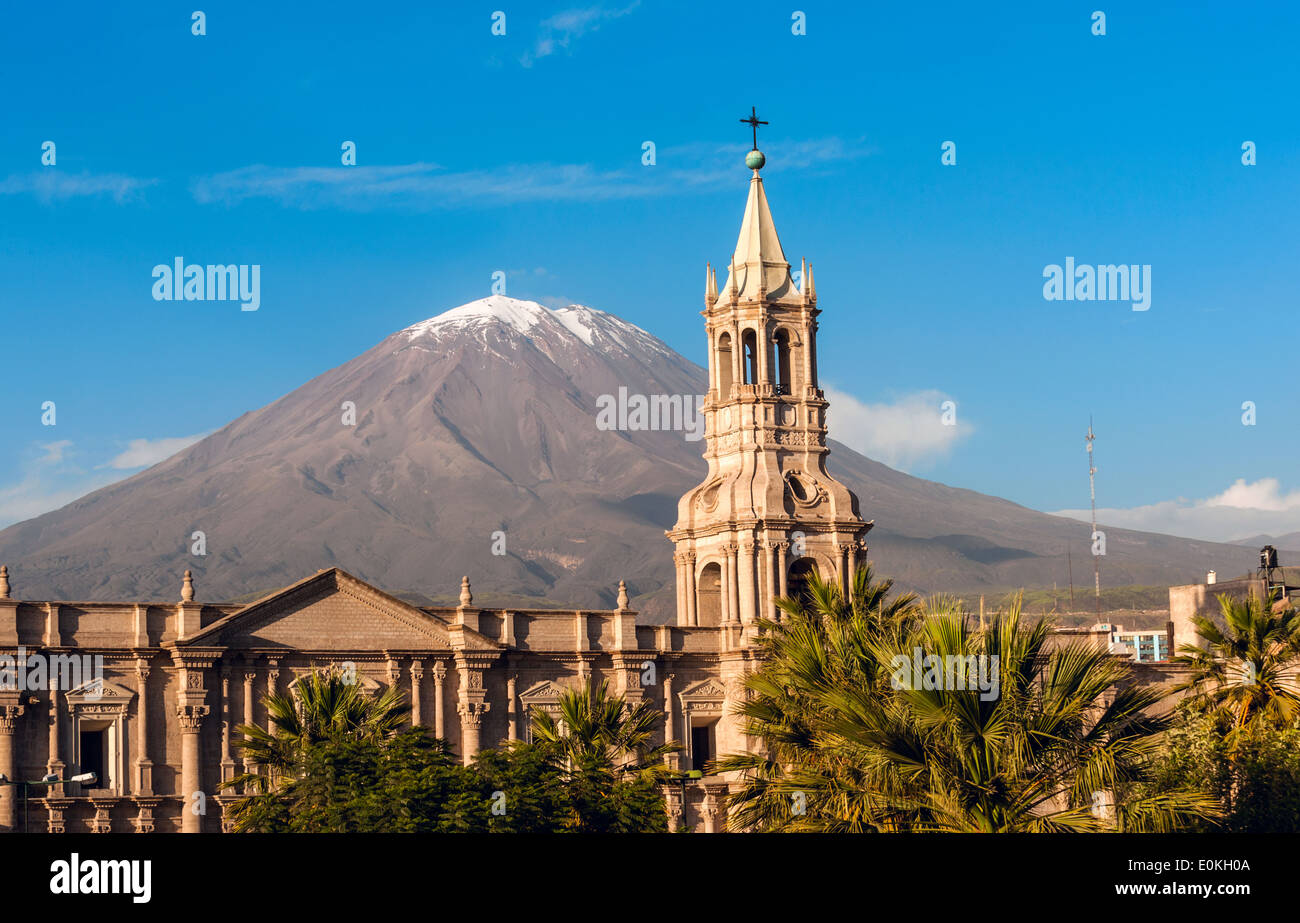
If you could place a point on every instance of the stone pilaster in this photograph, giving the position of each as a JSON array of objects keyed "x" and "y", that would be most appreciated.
[
  {"x": 733, "y": 583},
  {"x": 512, "y": 707},
  {"x": 472, "y": 705},
  {"x": 227, "y": 719},
  {"x": 782, "y": 571},
  {"x": 627, "y": 670},
  {"x": 54, "y": 764},
  {"x": 143, "y": 784}
]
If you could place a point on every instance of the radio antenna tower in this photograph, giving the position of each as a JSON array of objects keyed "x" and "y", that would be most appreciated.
[{"x": 1092, "y": 490}]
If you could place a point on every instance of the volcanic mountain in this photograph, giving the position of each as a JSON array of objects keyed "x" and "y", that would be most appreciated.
[{"x": 475, "y": 450}]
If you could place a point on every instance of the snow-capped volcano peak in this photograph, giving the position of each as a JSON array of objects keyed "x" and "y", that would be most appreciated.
[{"x": 530, "y": 318}]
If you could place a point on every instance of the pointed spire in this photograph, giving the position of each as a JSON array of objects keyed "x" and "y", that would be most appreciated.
[
  {"x": 803, "y": 278},
  {"x": 4, "y": 581},
  {"x": 812, "y": 286},
  {"x": 758, "y": 266},
  {"x": 710, "y": 284},
  {"x": 466, "y": 597},
  {"x": 622, "y": 596},
  {"x": 187, "y": 588}
]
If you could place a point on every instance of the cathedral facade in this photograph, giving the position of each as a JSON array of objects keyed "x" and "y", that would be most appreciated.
[{"x": 147, "y": 696}]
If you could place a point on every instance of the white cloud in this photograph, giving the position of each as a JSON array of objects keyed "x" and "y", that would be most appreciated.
[
  {"x": 419, "y": 186},
  {"x": 905, "y": 434},
  {"x": 141, "y": 453},
  {"x": 54, "y": 185},
  {"x": 40, "y": 492},
  {"x": 557, "y": 33},
  {"x": 54, "y": 451},
  {"x": 1242, "y": 511},
  {"x": 55, "y": 479}
]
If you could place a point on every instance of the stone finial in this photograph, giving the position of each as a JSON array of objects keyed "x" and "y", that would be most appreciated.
[
  {"x": 187, "y": 588},
  {"x": 4, "y": 582},
  {"x": 622, "y": 595},
  {"x": 466, "y": 597}
]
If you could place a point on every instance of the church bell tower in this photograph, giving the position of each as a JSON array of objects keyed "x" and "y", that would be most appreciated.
[{"x": 768, "y": 513}]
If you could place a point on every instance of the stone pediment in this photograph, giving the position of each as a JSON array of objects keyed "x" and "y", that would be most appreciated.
[
  {"x": 708, "y": 690},
  {"x": 544, "y": 696},
  {"x": 334, "y": 611},
  {"x": 99, "y": 690},
  {"x": 545, "y": 692}
]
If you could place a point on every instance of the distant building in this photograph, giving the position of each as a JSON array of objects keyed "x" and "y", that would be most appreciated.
[
  {"x": 1142, "y": 645},
  {"x": 1202, "y": 599}
]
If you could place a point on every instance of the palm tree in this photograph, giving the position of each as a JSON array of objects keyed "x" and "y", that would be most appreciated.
[
  {"x": 1014, "y": 736},
  {"x": 324, "y": 705},
  {"x": 1246, "y": 669},
  {"x": 598, "y": 732}
]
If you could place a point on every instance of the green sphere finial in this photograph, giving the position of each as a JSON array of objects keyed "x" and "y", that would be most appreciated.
[{"x": 755, "y": 160}]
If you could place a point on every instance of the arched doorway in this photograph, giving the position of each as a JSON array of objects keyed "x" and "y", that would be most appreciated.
[
  {"x": 797, "y": 581},
  {"x": 708, "y": 590}
]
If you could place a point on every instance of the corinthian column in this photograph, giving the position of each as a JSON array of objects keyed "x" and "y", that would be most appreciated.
[
  {"x": 670, "y": 722},
  {"x": 272, "y": 674},
  {"x": 9, "y": 712},
  {"x": 439, "y": 711},
  {"x": 191, "y": 718},
  {"x": 417, "y": 677},
  {"x": 250, "y": 674},
  {"x": 748, "y": 605},
  {"x": 55, "y": 763},
  {"x": 191, "y": 709},
  {"x": 143, "y": 765},
  {"x": 692, "y": 593}
]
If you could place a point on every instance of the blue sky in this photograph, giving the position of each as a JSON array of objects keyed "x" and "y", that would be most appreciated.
[{"x": 522, "y": 153}]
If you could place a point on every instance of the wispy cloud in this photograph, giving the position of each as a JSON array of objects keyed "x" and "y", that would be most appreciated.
[
  {"x": 141, "y": 453},
  {"x": 905, "y": 434},
  {"x": 54, "y": 185},
  {"x": 37, "y": 493},
  {"x": 54, "y": 452},
  {"x": 1244, "y": 510},
  {"x": 57, "y": 476},
  {"x": 558, "y": 33},
  {"x": 424, "y": 186}
]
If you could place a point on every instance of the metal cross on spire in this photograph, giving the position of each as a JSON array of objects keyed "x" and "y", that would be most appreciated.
[{"x": 753, "y": 122}]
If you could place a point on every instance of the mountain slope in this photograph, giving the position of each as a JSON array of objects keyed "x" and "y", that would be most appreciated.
[{"x": 483, "y": 420}]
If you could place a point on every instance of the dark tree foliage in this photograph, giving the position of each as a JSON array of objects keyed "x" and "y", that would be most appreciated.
[{"x": 411, "y": 783}]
